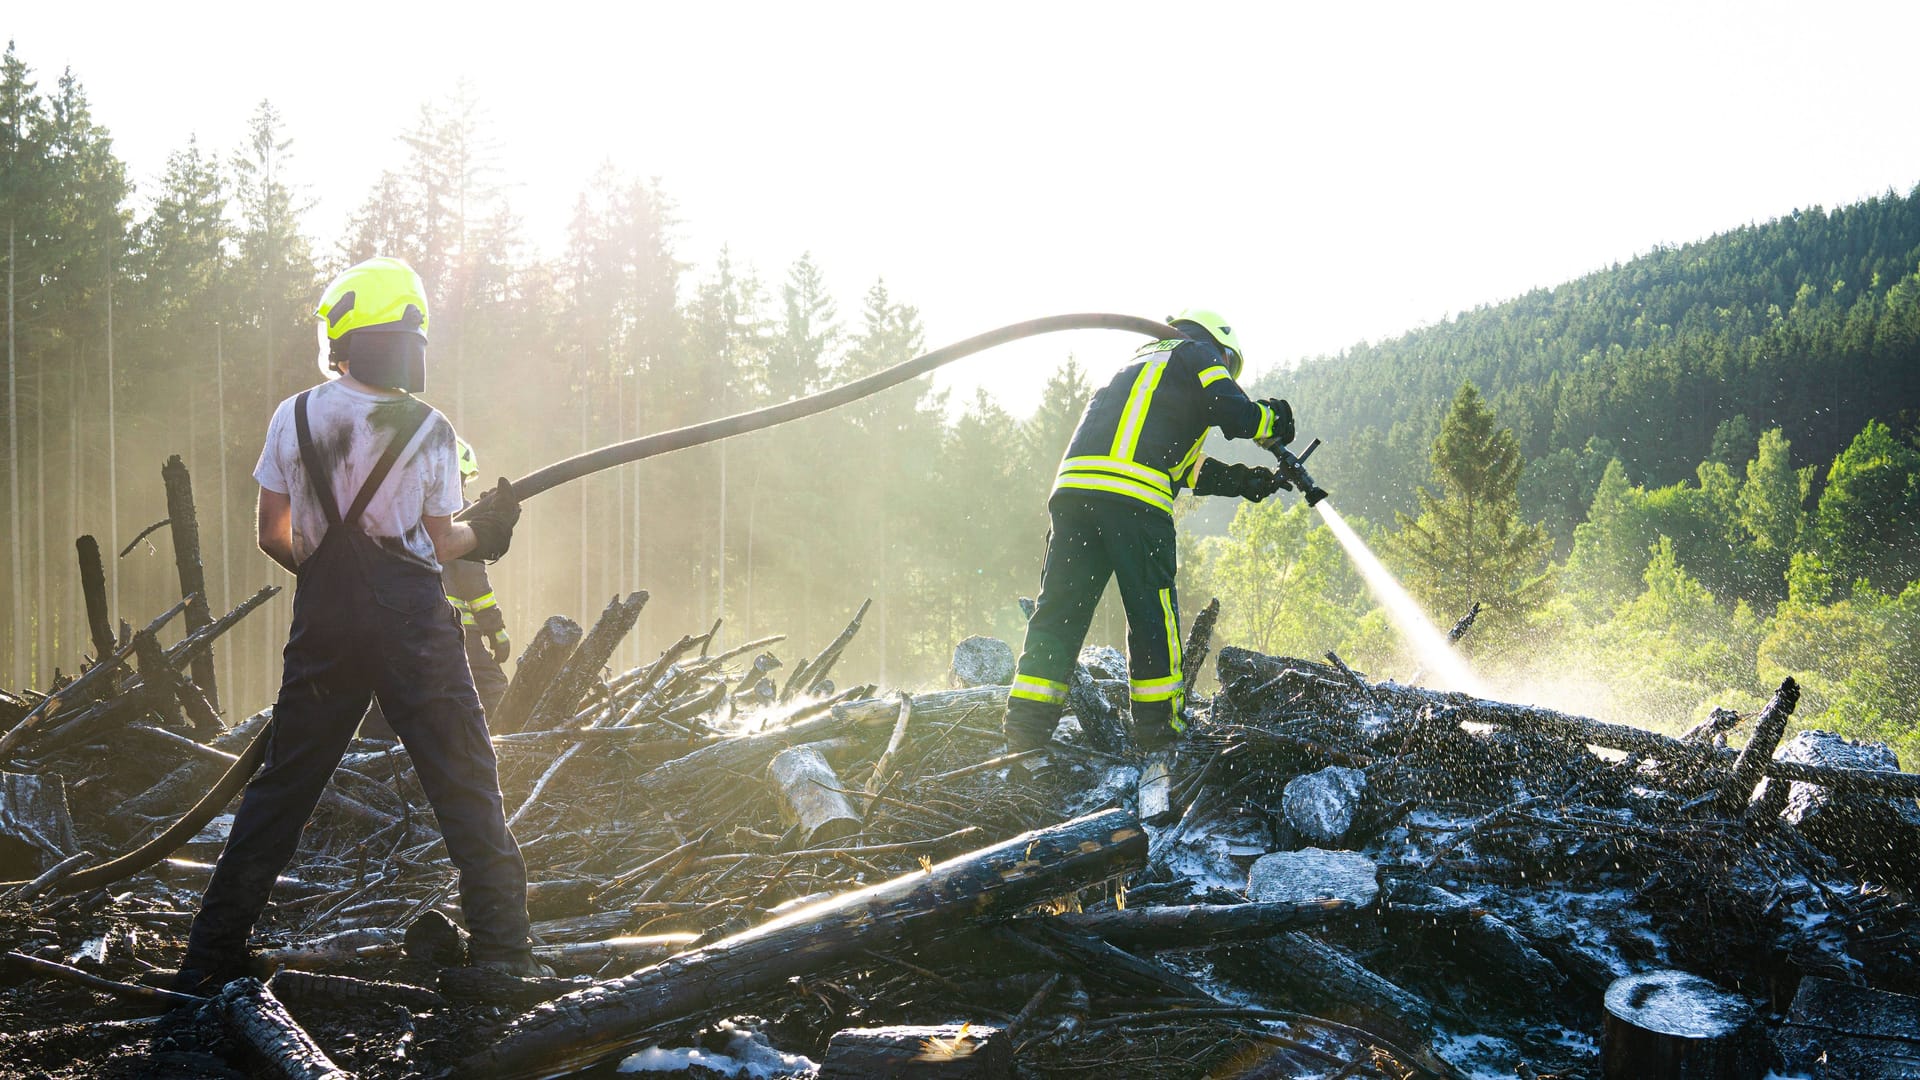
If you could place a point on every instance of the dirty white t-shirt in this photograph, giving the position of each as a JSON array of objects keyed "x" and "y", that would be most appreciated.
[{"x": 351, "y": 429}]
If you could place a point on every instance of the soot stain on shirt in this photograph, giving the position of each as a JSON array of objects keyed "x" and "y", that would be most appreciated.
[
  {"x": 392, "y": 414},
  {"x": 439, "y": 437}
]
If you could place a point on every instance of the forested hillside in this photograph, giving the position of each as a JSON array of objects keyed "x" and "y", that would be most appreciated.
[
  {"x": 1810, "y": 322},
  {"x": 1671, "y": 483}
]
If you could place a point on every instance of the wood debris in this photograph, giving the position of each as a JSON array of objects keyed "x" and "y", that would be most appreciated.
[{"x": 1335, "y": 877}]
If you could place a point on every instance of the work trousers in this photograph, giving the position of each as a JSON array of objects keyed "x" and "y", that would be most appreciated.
[
  {"x": 489, "y": 682},
  {"x": 1094, "y": 538},
  {"x": 369, "y": 624}
]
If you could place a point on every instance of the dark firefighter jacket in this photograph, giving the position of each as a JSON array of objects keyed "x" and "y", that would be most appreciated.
[
  {"x": 471, "y": 595},
  {"x": 1141, "y": 434}
]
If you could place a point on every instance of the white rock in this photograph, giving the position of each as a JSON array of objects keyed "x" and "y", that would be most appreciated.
[
  {"x": 982, "y": 661},
  {"x": 1321, "y": 806},
  {"x": 1314, "y": 874},
  {"x": 1104, "y": 661}
]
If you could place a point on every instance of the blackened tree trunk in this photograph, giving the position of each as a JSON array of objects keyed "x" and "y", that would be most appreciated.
[{"x": 594, "y": 1025}]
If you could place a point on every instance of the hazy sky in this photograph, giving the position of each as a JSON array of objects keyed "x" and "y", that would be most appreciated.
[{"x": 1321, "y": 173}]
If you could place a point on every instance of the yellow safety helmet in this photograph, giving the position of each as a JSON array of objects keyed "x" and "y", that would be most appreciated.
[
  {"x": 382, "y": 293},
  {"x": 469, "y": 465},
  {"x": 1219, "y": 330},
  {"x": 374, "y": 317}
]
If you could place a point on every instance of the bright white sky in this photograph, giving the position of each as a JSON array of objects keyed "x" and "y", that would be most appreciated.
[{"x": 1323, "y": 173}]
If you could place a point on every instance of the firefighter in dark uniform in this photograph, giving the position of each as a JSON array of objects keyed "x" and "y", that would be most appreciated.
[
  {"x": 358, "y": 487},
  {"x": 471, "y": 594},
  {"x": 1137, "y": 446}
]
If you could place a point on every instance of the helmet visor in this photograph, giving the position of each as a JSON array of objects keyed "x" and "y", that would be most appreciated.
[{"x": 1232, "y": 357}]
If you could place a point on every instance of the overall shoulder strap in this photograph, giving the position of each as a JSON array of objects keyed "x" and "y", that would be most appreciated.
[
  {"x": 310, "y": 459},
  {"x": 401, "y": 437}
]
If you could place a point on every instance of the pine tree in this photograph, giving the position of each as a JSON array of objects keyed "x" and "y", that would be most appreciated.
[
  {"x": 797, "y": 356},
  {"x": 277, "y": 274},
  {"x": 1469, "y": 545},
  {"x": 22, "y": 167}
]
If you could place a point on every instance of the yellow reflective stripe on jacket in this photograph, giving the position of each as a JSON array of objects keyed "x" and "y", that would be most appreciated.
[
  {"x": 1126, "y": 437},
  {"x": 1035, "y": 688},
  {"x": 1265, "y": 430},
  {"x": 1118, "y": 485},
  {"x": 459, "y": 604},
  {"x": 1214, "y": 374},
  {"x": 1131, "y": 470},
  {"x": 482, "y": 602},
  {"x": 1189, "y": 468}
]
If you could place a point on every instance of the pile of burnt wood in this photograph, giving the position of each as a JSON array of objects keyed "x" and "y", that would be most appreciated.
[{"x": 738, "y": 868}]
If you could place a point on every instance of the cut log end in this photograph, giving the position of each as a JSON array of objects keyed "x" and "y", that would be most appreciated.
[{"x": 1671, "y": 1023}]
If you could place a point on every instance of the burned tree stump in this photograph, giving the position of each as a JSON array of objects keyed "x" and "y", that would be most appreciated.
[
  {"x": 1672, "y": 1024},
  {"x": 93, "y": 585},
  {"x": 1199, "y": 641},
  {"x": 593, "y": 1025},
  {"x": 811, "y": 675},
  {"x": 1751, "y": 765},
  {"x": 556, "y": 706},
  {"x": 941, "y": 1052},
  {"x": 252, "y": 1015},
  {"x": 810, "y": 796},
  {"x": 539, "y": 664},
  {"x": 186, "y": 559}
]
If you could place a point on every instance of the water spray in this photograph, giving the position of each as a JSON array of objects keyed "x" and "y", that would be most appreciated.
[
  {"x": 1434, "y": 649},
  {"x": 1431, "y": 647}
]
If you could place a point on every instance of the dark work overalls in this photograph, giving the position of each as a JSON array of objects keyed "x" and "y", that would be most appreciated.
[
  {"x": 471, "y": 595},
  {"x": 1136, "y": 447},
  {"x": 368, "y": 623}
]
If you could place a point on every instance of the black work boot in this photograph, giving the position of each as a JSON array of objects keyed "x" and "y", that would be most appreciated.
[
  {"x": 520, "y": 965},
  {"x": 1028, "y": 725},
  {"x": 203, "y": 974},
  {"x": 1153, "y": 728}
]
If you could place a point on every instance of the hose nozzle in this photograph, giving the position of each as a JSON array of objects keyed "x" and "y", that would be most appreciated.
[{"x": 1293, "y": 470}]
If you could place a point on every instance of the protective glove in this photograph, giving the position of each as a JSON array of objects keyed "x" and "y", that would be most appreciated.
[
  {"x": 1283, "y": 430},
  {"x": 500, "y": 646},
  {"x": 492, "y": 519},
  {"x": 1250, "y": 482},
  {"x": 1259, "y": 483}
]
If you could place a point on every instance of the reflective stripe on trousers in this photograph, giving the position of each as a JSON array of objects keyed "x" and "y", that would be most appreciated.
[{"x": 1096, "y": 538}]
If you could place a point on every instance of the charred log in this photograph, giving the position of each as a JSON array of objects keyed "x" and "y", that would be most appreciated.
[
  {"x": 253, "y": 1016},
  {"x": 944, "y": 1052},
  {"x": 592, "y": 1025}
]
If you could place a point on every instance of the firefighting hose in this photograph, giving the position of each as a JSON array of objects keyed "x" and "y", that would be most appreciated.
[
  {"x": 665, "y": 442},
  {"x": 726, "y": 427}
]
